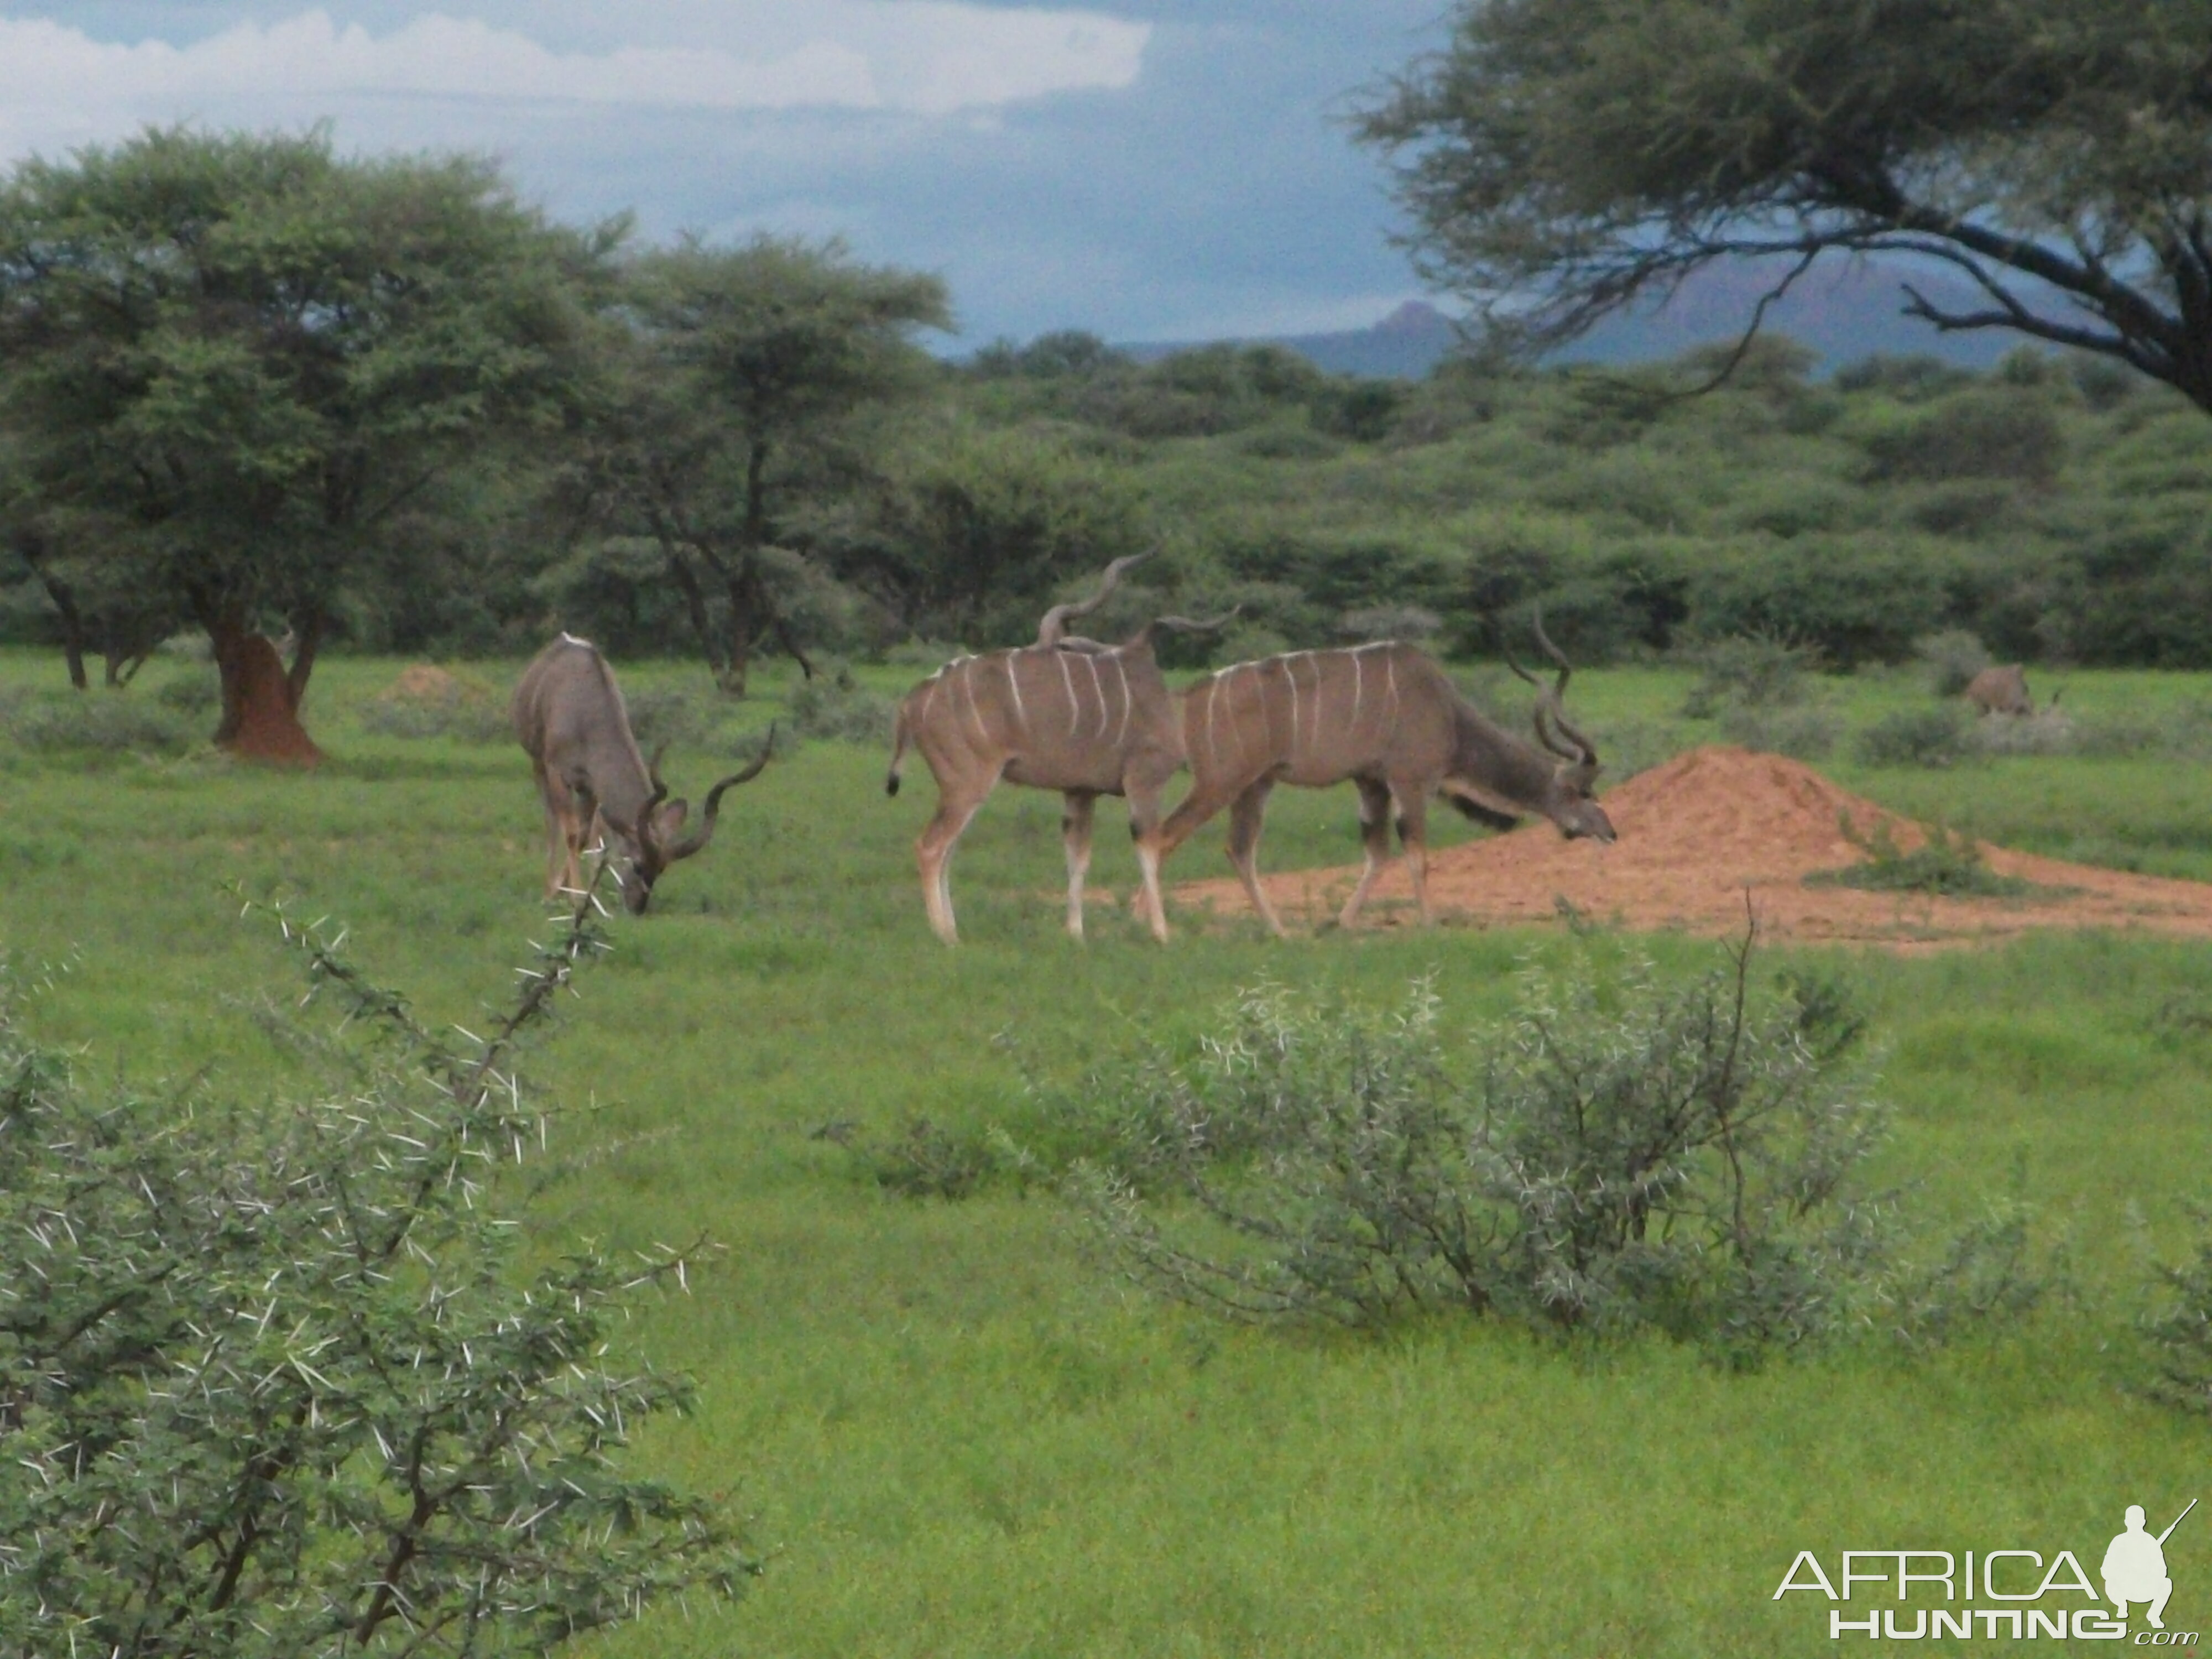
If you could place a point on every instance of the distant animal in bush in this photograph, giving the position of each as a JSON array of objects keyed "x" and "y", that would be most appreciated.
[
  {"x": 1383, "y": 717},
  {"x": 595, "y": 783},
  {"x": 1065, "y": 714},
  {"x": 2000, "y": 691}
]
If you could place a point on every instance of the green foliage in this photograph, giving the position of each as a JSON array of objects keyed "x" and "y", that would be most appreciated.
[
  {"x": 190, "y": 694},
  {"x": 733, "y": 385},
  {"x": 1759, "y": 671},
  {"x": 1952, "y": 659},
  {"x": 669, "y": 715},
  {"x": 1806, "y": 731},
  {"x": 277, "y": 1383},
  {"x": 1944, "y": 866},
  {"x": 1627, "y": 1153},
  {"x": 2179, "y": 1334},
  {"x": 1936, "y": 734},
  {"x": 232, "y": 359},
  {"x": 970, "y": 532},
  {"x": 1758, "y": 689},
  {"x": 461, "y": 718},
  {"x": 1981, "y": 434},
  {"x": 1854, "y": 599},
  {"x": 833, "y": 705},
  {"x": 99, "y": 721},
  {"x": 927, "y": 1160}
]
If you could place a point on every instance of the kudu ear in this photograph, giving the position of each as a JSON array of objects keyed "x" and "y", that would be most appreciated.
[{"x": 668, "y": 822}]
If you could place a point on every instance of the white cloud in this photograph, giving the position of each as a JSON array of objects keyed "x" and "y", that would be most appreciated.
[{"x": 59, "y": 87}]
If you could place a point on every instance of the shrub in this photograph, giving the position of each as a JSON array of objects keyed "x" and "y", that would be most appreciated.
[
  {"x": 299, "y": 1348},
  {"x": 2185, "y": 733},
  {"x": 1807, "y": 732},
  {"x": 1952, "y": 659},
  {"x": 1938, "y": 735},
  {"x": 1984, "y": 432},
  {"x": 1624, "y": 1153},
  {"x": 831, "y": 705},
  {"x": 108, "y": 722},
  {"x": 667, "y": 715},
  {"x": 1943, "y": 865},
  {"x": 2046, "y": 732},
  {"x": 2179, "y": 1334},
  {"x": 927, "y": 1160},
  {"x": 1856, "y": 598},
  {"x": 1759, "y": 671},
  {"x": 468, "y": 721},
  {"x": 190, "y": 694}
]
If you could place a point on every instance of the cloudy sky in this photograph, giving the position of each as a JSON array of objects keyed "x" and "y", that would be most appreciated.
[{"x": 1149, "y": 169}]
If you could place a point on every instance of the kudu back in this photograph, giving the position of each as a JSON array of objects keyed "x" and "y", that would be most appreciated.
[
  {"x": 1067, "y": 713},
  {"x": 1386, "y": 717},
  {"x": 596, "y": 784}
]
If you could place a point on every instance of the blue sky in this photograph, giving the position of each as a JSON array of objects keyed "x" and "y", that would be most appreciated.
[{"x": 1148, "y": 169}]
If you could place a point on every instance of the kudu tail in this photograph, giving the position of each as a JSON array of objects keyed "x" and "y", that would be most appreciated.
[{"x": 898, "y": 752}]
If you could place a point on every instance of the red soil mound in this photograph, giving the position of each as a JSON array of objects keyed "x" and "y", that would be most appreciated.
[
  {"x": 1698, "y": 831},
  {"x": 269, "y": 728}
]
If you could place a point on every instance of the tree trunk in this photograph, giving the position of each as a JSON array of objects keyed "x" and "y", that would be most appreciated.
[
  {"x": 261, "y": 714},
  {"x": 308, "y": 630},
  {"x": 695, "y": 604},
  {"x": 32, "y": 548},
  {"x": 740, "y": 628}
]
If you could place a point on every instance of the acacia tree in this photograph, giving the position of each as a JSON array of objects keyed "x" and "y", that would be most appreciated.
[
  {"x": 736, "y": 375},
  {"x": 970, "y": 530},
  {"x": 1562, "y": 159},
  {"x": 233, "y": 359}
]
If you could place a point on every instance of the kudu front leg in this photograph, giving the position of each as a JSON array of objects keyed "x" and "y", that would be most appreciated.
[
  {"x": 1147, "y": 832},
  {"x": 1075, "y": 830},
  {"x": 1246, "y": 816},
  {"x": 933, "y": 854}
]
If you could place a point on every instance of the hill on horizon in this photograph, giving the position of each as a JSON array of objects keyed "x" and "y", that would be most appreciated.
[{"x": 1851, "y": 311}]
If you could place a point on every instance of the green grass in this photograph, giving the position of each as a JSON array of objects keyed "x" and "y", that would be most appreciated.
[{"x": 956, "y": 1434}]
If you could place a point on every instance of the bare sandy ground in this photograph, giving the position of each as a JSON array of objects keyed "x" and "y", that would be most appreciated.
[{"x": 1699, "y": 832}]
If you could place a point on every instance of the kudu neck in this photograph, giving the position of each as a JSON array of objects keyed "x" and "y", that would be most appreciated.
[{"x": 1518, "y": 769}]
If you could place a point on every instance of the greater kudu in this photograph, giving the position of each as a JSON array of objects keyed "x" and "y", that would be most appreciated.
[
  {"x": 1384, "y": 717},
  {"x": 1065, "y": 714},
  {"x": 570, "y": 716}
]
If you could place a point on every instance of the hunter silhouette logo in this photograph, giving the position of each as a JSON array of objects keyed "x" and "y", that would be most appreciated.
[
  {"x": 1988, "y": 1595},
  {"x": 2135, "y": 1567}
]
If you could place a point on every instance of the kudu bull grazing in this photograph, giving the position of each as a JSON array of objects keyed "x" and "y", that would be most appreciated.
[
  {"x": 1384, "y": 717},
  {"x": 1065, "y": 714},
  {"x": 569, "y": 714}
]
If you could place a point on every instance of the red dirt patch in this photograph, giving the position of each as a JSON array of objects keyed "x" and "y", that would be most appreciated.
[{"x": 1697, "y": 831}]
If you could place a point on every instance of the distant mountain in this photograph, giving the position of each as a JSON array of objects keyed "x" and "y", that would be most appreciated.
[
  {"x": 1404, "y": 345},
  {"x": 1845, "y": 312},
  {"x": 1851, "y": 311}
]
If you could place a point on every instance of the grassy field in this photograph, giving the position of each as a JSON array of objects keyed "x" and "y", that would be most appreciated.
[{"x": 956, "y": 1433}]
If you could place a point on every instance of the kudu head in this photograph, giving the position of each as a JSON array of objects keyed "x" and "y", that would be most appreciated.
[
  {"x": 648, "y": 844},
  {"x": 1568, "y": 800}
]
